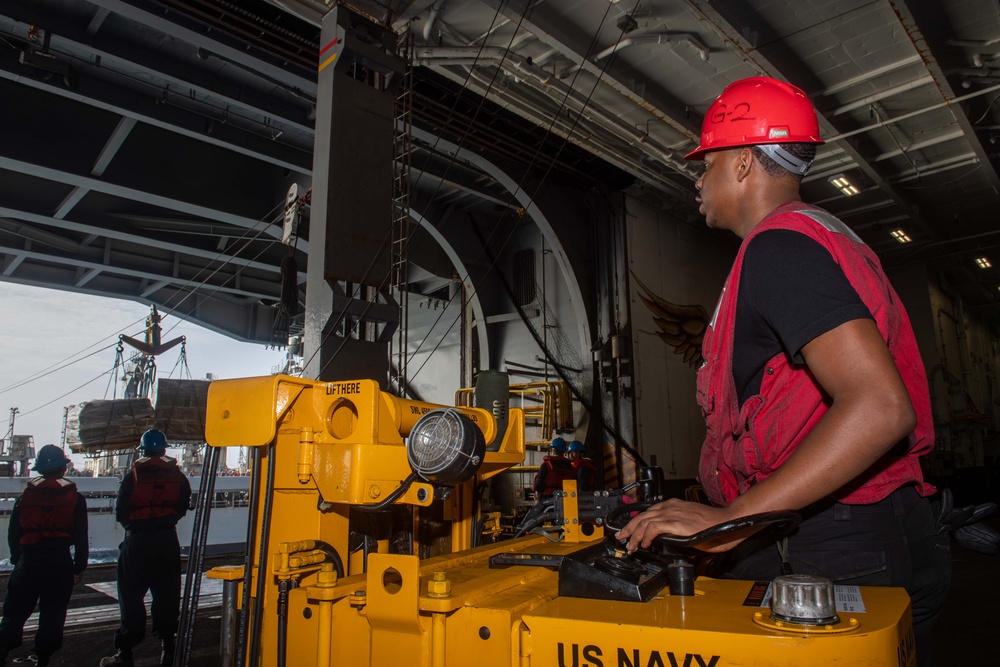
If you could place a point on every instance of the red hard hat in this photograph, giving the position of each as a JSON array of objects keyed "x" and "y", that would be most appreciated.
[{"x": 757, "y": 110}]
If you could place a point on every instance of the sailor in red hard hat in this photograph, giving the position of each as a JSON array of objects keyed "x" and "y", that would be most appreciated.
[{"x": 813, "y": 391}]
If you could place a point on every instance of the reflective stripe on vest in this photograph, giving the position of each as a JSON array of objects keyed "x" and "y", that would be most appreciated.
[
  {"x": 47, "y": 508},
  {"x": 157, "y": 489}
]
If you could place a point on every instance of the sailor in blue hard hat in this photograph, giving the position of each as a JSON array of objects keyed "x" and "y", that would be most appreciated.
[
  {"x": 152, "y": 498},
  {"x": 554, "y": 469},
  {"x": 587, "y": 479},
  {"x": 48, "y": 519}
]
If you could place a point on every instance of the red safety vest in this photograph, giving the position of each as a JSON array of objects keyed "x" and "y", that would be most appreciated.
[
  {"x": 745, "y": 445},
  {"x": 559, "y": 469},
  {"x": 157, "y": 489},
  {"x": 589, "y": 476},
  {"x": 47, "y": 508}
]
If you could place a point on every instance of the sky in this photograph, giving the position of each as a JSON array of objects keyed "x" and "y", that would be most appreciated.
[{"x": 42, "y": 330}]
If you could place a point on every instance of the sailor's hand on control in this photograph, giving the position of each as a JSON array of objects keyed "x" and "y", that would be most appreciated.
[
  {"x": 675, "y": 517},
  {"x": 77, "y": 579}
]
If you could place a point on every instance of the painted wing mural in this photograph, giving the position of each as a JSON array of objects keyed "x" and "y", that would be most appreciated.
[{"x": 680, "y": 327}]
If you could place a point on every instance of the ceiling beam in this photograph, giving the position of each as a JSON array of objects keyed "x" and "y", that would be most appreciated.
[
  {"x": 123, "y": 192},
  {"x": 196, "y": 35},
  {"x": 10, "y": 264},
  {"x": 195, "y": 89},
  {"x": 117, "y": 234},
  {"x": 203, "y": 288},
  {"x": 103, "y": 95},
  {"x": 913, "y": 17},
  {"x": 87, "y": 276},
  {"x": 111, "y": 147}
]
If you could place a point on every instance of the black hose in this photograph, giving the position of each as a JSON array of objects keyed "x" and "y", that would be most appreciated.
[
  {"x": 241, "y": 639},
  {"x": 536, "y": 516},
  {"x": 199, "y": 559},
  {"x": 265, "y": 533},
  {"x": 404, "y": 486},
  {"x": 184, "y": 627},
  {"x": 283, "y": 587},
  {"x": 329, "y": 550},
  {"x": 619, "y": 439}
]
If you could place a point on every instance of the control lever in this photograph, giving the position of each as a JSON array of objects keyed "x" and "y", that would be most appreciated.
[
  {"x": 782, "y": 521},
  {"x": 605, "y": 572}
]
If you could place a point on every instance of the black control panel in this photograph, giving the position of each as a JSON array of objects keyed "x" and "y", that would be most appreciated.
[{"x": 600, "y": 573}]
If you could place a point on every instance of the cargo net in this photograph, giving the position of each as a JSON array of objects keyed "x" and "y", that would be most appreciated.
[{"x": 115, "y": 425}]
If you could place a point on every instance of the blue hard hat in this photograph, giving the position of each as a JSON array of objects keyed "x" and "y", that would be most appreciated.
[
  {"x": 576, "y": 446},
  {"x": 558, "y": 444},
  {"x": 50, "y": 458},
  {"x": 153, "y": 440}
]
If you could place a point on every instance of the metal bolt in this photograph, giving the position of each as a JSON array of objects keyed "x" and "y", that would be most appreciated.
[
  {"x": 374, "y": 491},
  {"x": 439, "y": 586},
  {"x": 573, "y": 494},
  {"x": 575, "y": 521}
]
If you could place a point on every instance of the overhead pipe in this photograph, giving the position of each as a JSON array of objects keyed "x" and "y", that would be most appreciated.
[
  {"x": 309, "y": 11},
  {"x": 973, "y": 43},
  {"x": 905, "y": 116},
  {"x": 562, "y": 126},
  {"x": 658, "y": 38},
  {"x": 519, "y": 66},
  {"x": 432, "y": 17},
  {"x": 610, "y": 153},
  {"x": 883, "y": 94},
  {"x": 870, "y": 74}
]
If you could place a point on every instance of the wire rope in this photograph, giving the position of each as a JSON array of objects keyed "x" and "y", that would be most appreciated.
[
  {"x": 541, "y": 182},
  {"x": 51, "y": 369},
  {"x": 65, "y": 363},
  {"x": 336, "y": 323}
]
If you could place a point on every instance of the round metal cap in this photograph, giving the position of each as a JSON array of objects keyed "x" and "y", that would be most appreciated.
[{"x": 803, "y": 599}]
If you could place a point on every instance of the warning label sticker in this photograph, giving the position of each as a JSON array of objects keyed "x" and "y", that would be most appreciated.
[{"x": 848, "y": 599}]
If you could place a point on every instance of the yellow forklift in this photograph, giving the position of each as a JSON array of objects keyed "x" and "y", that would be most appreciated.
[{"x": 361, "y": 550}]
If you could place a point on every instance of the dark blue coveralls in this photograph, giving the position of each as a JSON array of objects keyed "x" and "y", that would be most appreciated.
[
  {"x": 149, "y": 560},
  {"x": 43, "y": 574}
]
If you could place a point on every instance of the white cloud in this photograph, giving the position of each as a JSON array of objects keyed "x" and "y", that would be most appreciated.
[{"x": 41, "y": 329}]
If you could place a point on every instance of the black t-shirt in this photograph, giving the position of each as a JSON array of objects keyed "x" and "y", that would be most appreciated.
[{"x": 791, "y": 291}]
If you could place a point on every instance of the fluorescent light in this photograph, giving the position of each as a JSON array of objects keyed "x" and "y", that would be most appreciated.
[
  {"x": 845, "y": 186},
  {"x": 900, "y": 236},
  {"x": 983, "y": 263}
]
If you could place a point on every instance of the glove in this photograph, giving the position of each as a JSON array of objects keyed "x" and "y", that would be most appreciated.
[
  {"x": 963, "y": 524},
  {"x": 980, "y": 538}
]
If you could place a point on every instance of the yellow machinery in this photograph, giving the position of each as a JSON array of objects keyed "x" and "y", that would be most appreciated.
[{"x": 323, "y": 589}]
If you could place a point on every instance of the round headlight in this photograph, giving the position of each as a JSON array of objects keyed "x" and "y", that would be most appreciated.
[{"x": 445, "y": 447}]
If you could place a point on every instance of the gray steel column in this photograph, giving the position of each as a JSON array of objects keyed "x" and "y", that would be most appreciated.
[{"x": 351, "y": 213}]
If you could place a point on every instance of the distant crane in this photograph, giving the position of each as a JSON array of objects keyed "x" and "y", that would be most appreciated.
[{"x": 140, "y": 375}]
